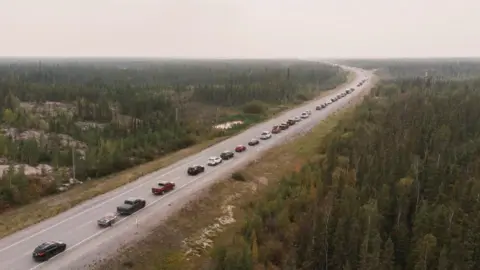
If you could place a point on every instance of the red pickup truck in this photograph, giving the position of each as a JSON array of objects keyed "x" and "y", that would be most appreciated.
[{"x": 163, "y": 187}]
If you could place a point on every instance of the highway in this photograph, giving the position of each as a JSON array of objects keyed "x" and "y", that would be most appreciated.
[{"x": 86, "y": 241}]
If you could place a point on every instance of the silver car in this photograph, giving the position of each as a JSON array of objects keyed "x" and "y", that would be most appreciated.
[{"x": 107, "y": 220}]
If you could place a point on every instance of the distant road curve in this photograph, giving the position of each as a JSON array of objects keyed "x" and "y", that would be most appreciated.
[{"x": 87, "y": 242}]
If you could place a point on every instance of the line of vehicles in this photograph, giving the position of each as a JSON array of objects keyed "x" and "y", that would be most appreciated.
[{"x": 131, "y": 205}]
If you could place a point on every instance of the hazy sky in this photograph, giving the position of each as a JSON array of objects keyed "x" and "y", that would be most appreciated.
[{"x": 240, "y": 28}]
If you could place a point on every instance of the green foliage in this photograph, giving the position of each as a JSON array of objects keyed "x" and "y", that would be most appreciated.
[
  {"x": 399, "y": 192},
  {"x": 254, "y": 107},
  {"x": 440, "y": 69},
  {"x": 122, "y": 113}
]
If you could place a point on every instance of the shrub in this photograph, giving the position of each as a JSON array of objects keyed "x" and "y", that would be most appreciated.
[
  {"x": 254, "y": 107},
  {"x": 238, "y": 176}
]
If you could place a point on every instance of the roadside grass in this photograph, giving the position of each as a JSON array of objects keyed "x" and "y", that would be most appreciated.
[
  {"x": 30, "y": 214},
  {"x": 186, "y": 239},
  {"x": 22, "y": 217}
]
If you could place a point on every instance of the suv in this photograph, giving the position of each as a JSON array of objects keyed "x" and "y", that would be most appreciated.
[
  {"x": 214, "y": 161},
  {"x": 130, "y": 206},
  {"x": 47, "y": 250},
  {"x": 195, "y": 169},
  {"x": 227, "y": 155},
  {"x": 265, "y": 135}
]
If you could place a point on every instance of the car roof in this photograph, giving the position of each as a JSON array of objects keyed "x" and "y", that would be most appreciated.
[{"x": 45, "y": 245}]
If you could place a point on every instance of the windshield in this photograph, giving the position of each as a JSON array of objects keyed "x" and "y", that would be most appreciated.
[{"x": 129, "y": 202}]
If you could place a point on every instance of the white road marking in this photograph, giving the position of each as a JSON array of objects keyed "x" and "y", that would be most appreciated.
[
  {"x": 89, "y": 209},
  {"x": 148, "y": 205},
  {"x": 174, "y": 168}
]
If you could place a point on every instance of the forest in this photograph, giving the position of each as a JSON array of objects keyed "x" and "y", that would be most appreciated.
[
  {"x": 106, "y": 115},
  {"x": 396, "y": 185},
  {"x": 439, "y": 69}
]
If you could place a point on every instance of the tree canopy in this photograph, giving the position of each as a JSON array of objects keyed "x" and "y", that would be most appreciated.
[
  {"x": 108, "y": 115},
  {"x": 397, "y": 187}
]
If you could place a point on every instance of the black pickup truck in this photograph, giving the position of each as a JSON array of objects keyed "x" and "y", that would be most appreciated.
[{"x": 130, "y": 206}]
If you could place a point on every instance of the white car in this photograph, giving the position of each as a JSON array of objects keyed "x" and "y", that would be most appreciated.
[
  {"x": 304, "y": 115},
  {"x": 297, "y": 119},
  {"x": 214, "y": 161},
  {"x": 265, "y": 135}
]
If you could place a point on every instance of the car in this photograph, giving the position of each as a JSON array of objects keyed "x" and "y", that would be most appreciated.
[
  {"x": 130, "y": 206},
  {"x": 47, "y": 250},
  {"x": 195, "y": 169},
  {"x": 297, "y": 119},
  {"x": 304, "y": 115},
  {"x": 318, "y": 108},
  {"x": 163, "y": 187},
  {"x": 284, "y": 126},
  {"x": 214, "y": 161},
  {"x": 291, "y": 122},
  {"x": 265, "y": 135},
  {"x": 226, "y": 155},
  {"x": 108, "y": 220},
  {"x": 276, "y": 129},
  {"x": 253, "y": 142},
  {"x": 240, "y": 148},
  {"x": 309, "y": 112}
]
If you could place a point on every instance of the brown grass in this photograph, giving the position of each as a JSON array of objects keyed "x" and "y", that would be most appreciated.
[
  {"x": 30, "y": 214},
  {"x": 163, "y": 248},
  {"x": 22, "y": 217}
]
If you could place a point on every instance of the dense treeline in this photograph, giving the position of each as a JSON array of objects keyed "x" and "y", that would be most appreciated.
[
  {"x": 395, "y": 186},
  {"x": 110, "y": 115},
  {"x": 440, "y": 69}
]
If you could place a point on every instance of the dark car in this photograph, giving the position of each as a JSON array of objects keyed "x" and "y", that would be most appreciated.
[
  {"x": 195, "y": 169},
  {"x": 47, "y": 250},
  {"x": 227, "y": 155},
  {"x": 291, "y": 122},
  {"x": 253, "y": 142},
  {"x": 276, "y": 129},
  {"x": 240, "y": 148},
  {"x": 130, "y": 206},
  {"x": 284, "y": 126}
]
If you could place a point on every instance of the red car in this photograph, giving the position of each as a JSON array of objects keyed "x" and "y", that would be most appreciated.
[
  {"x": 240, "y": 148},
  {"x": 276, "y": 129},
  {"x": 163, "y": 187}
]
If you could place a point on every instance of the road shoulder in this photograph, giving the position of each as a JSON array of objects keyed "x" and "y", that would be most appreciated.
[{"x": 186, "y": 239}]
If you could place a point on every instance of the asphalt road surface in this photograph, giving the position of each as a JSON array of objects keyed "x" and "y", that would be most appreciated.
[{"x": 87, "y": 242}]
